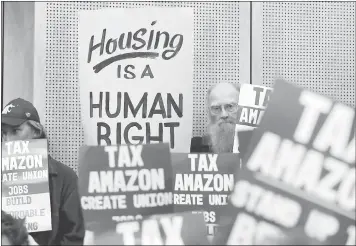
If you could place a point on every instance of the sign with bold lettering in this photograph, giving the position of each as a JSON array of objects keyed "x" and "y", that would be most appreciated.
[
  {"x": 121, "y": 183},
  {"x": 203, "y": 182},
  {"x": 298, "y": 173},
  {"x": 253, "y": 101},
  {"x": 24, "y": 177},
  {"x": 168, "y": 229},
  {"x": 136, "y": 76}
]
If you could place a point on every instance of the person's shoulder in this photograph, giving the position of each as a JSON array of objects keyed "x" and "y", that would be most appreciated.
[
  {"x": 201, "y": 140},
  {"x": 196, "y": 140},
  {"x": 61, "y": 169},
  {"x": 200, "y": 144}
]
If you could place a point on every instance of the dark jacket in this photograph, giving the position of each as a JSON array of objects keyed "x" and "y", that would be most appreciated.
[
  {"x": 67, "y": 217},
  {"x": 203, "y": 144},
  {"x": 200, "y": 145}
]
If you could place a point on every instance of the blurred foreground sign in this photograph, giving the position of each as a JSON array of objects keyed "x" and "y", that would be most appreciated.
[
  {"x": 298, "y": 177},
  {"x": 171, "y": 229}
]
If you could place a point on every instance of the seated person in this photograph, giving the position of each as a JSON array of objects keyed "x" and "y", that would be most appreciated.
[
  {"x": 20, "y": 121},
  {"x": 222, "y": 102}
]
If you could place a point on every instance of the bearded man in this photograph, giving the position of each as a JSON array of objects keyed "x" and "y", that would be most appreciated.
[{"x": 222, "y": 102}]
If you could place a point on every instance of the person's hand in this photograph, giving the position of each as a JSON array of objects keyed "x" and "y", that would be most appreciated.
[{"x": 31, "y": 241}]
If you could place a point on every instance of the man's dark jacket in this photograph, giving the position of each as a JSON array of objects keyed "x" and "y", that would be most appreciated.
[
  {"x": 203, "y": 144},
  {"x": 67, "y": 217}
]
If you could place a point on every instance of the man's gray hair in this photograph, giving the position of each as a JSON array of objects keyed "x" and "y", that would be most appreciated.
[{"x": 237, "y": 86}]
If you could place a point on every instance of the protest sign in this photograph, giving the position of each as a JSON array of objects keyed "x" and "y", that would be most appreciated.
[
  {"x": 298, "y": 174},
  {"x": 203, "y": 182},
  {"x": 24, "y": 177},
  {"x": 253, "y": 100},
  {"x": 136, "y": 76},
  {"x": 169, "y": 229},
  {"x": 121, "y": 183}
]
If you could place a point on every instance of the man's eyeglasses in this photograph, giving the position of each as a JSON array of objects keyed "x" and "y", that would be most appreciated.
[{"x": 231, "y": 108}]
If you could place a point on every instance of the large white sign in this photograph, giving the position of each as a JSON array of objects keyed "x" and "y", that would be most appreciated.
[{"x": 136, "y": 76}]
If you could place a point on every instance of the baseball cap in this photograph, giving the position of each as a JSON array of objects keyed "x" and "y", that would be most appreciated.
[{"x": 18, "y": 111}]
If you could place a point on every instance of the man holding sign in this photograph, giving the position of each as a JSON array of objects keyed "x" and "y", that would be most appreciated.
[{"x": 20, "y": 121}]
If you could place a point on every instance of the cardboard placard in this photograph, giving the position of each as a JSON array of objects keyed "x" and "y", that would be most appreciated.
[
  {"x": 25, "y": 189},
  {"x": 136, "y": 76},
  {"x": 253, "y": 101},
  {"x": 122, "y": 183},
  {"x": 203, "y": 182},
  {"x": 298, "y": 177},
  {"x": 170, "y": 229}
]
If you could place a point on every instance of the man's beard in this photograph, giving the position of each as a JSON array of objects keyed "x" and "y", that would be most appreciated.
[{"x": 222, "y": 135}]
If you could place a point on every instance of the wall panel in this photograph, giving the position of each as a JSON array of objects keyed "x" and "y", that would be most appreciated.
[
  {"x": 18, "y": 50},
  {"x": 311, "y": 44}
]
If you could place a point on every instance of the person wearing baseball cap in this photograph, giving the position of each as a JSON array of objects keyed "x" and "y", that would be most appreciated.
[{"x": 20, "y": 121}]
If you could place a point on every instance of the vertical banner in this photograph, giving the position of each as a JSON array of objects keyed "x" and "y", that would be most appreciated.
[
  {"x": 299, "y": 182},
  {"x": 203, "y": 182},
  {"x": 25, "y": 189},
  {"x": 253, "y": 100},
  {"x": 136, "y": 76},
  {"x": 168, "y": 229},
  {"x": 121, "y": 183}
]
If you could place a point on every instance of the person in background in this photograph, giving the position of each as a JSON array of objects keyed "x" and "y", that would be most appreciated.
[
  {"x": 222, "y": 102},
  {"x": 20, "y": 121}
]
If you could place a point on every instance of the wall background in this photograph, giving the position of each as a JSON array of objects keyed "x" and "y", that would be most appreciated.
[
  {"x": 311, "y": 44},
  {"x": 18, "y": 53}
]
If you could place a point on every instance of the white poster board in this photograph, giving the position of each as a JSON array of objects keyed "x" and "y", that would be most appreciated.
[
  {"x": 25, "y": 192},
  {"x": 253, "y": 100},
  {"x": 136, "y": 76}
]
